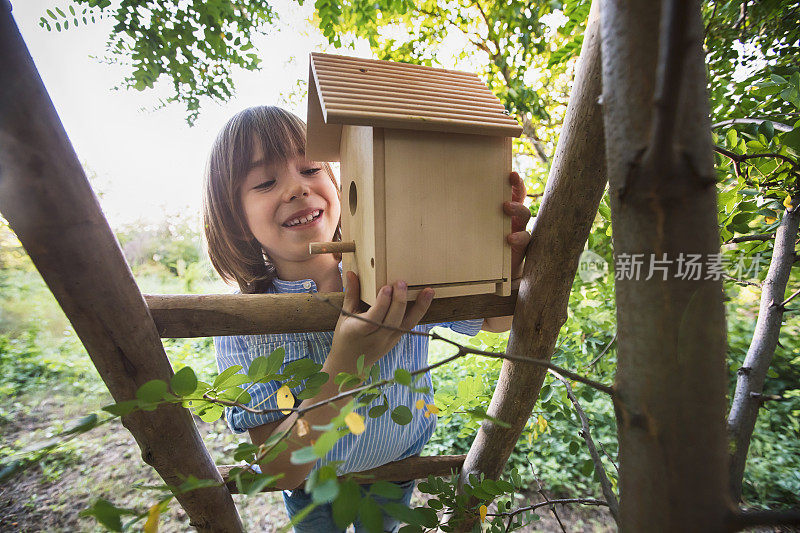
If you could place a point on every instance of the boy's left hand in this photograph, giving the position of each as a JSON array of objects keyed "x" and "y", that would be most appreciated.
[{"x": 520, "y": 215}]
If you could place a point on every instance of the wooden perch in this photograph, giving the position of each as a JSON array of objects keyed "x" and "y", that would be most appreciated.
[
  {"x": 252, "y": 314},
  {"x": 48, "y": 202},
  {"x": 403, "y": 470},
  {"x": 574, "y": 188},
  {"x": 336, "y": 247}
]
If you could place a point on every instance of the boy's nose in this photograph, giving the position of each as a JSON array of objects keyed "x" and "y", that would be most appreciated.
[{"x": 295, "y": 188}]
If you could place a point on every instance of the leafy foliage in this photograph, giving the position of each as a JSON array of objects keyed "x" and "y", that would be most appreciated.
[{"x": 195, "y": 45}]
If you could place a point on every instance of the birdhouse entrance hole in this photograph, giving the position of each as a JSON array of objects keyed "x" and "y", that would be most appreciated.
[{"x": 353, "y": 198}]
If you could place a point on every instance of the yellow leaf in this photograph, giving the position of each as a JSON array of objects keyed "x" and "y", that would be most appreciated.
[
  {"x": 483, "y": 510},
  {"x": 302, "y": 427},
  {"x": 420, "y": 404},
  {"x": 285, "y": 399},
  {"x": 769, "y": 220},
  {"x": 355, "y": 423},
  {"x": 787, "y": 202},
  {"x": 541, "y": 423},
  {"x": 151, "y": 525},
  {"x": 433, "y": 409}
]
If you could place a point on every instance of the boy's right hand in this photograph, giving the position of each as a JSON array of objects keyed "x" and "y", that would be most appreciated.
[{"x": 354, "y": 337}]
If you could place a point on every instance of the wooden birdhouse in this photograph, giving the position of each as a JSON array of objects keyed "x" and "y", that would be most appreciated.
[{"x": 425, "y": 157}]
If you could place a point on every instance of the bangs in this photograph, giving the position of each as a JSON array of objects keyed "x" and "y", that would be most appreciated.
[{"x": 280, "y": 134}]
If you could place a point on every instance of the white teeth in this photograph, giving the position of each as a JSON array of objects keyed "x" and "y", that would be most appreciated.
[{"x": 303, "y": 220}]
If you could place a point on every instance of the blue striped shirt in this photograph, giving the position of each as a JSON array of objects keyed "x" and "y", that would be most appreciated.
[{"x": 383, "y": 440}]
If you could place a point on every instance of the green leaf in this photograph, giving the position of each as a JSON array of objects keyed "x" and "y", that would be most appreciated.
[
  {"x": 326, "y": 442},
  {"x": 402, "y": 415},
  {"x": 212, "y": 414},
  {"x": 258, "y": 368},
  {"x": 386, "y": 489},
  {"x": 360, "y": 364},
  {"x": 402, "y": 376},
  {"x": 82, "y": 425},
  {"x": 378, "y": 410},
  {"x": 225, "y": 374},
  {"x": 275, "y": 360},
  {"x": 122, "y": 408},
  {"x": 108, "y": 514},
  {"x": 303, "y": 456},
  {"x": 184, "y": 382},
  {"x": 153, "y": 391},
  {"x": 370, "y": 515},
  {"x": 345, "y": 506},
  {"x": 767, "y": 129},
  {"x": 325, "y": 492},
  {"x": 791, "y": 139}
]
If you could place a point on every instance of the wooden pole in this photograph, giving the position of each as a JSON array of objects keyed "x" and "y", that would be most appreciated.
[
  {"x": 402, "y": 470},
  {"x": 671, "y": 379},
  {"x": 574, "y": 188},
  {"x": 256, "y": 314},
  {"x": 47, "y": 200}
]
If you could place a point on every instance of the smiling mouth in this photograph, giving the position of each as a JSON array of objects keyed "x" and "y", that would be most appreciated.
[{"x": 311, "y": 217}]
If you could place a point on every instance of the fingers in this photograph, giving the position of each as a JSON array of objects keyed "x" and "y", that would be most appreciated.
[
  {"x": 519, "y": 241},
  {"x": 377, "y": 313},
  {"x": 352, "y": 292},
  {"x": 397, "y": 309},
  {"x": 518, "y": 190},
  {"x": 418, "y": 310}
]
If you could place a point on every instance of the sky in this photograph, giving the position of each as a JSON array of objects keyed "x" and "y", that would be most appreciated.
[{"x": 148, "y": 163}]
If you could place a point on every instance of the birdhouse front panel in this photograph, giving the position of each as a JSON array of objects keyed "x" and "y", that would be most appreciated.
[{"x": 444, "y": 218}]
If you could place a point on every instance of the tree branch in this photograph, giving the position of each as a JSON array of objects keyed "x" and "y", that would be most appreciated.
[
  {"x": 744, "y": 519},
  {"x": 605, "y": 484},
  {"x": 730, "y": 122},
  {"x": 751, "y": 378}
]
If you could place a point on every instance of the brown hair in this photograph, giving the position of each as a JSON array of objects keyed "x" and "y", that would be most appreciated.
[{"x": 235, "y": 254}]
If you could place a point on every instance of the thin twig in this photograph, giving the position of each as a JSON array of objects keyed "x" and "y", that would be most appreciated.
[
  {"x": 596, "y": 359},
  {"x": 743, "y": 281},
  {"x": 468, "y": 350},
  {"x": 730, "y": 122},
  {"x": 585, "y": 501},
  {"x": 740, "y": 158},
  {"x": 748, "y": 238},
  {"x": 789, "y": 299},
  {"x": 611, "y": 459},
  {"x": 605, "y": 484},
  {"x": 546, "y": 499}
]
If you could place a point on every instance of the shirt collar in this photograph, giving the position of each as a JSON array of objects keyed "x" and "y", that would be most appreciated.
[{"x": 302, "y": 285}]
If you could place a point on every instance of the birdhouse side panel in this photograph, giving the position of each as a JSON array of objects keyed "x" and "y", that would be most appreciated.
[
  {"x": 362, "y": 206},
  {"x": 444, "y": 221}
]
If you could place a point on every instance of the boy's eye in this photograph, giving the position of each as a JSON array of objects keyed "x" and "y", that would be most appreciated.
[
  {"x": 264, "y": 185},
  {"x": 310, "y": 171}
]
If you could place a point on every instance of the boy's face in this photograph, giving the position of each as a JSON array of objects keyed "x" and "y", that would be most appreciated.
[{"x": 287, "y": 206}]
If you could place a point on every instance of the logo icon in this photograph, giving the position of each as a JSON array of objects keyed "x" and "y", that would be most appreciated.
[{"x": 591, "y": 267}]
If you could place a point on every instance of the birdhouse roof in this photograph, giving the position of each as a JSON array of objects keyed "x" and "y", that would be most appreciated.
[{"x": 368, "y": 92}]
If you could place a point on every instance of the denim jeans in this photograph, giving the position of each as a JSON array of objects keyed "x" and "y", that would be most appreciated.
[{"x": 320, "y": 520}]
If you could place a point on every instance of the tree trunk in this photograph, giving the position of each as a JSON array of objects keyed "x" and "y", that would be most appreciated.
[
  {"x": 47, "y": 200},
  {"x": 753, "y": 373},
  {"x": 576, "y": 184},
  {"x": 670, "y": 383}
]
